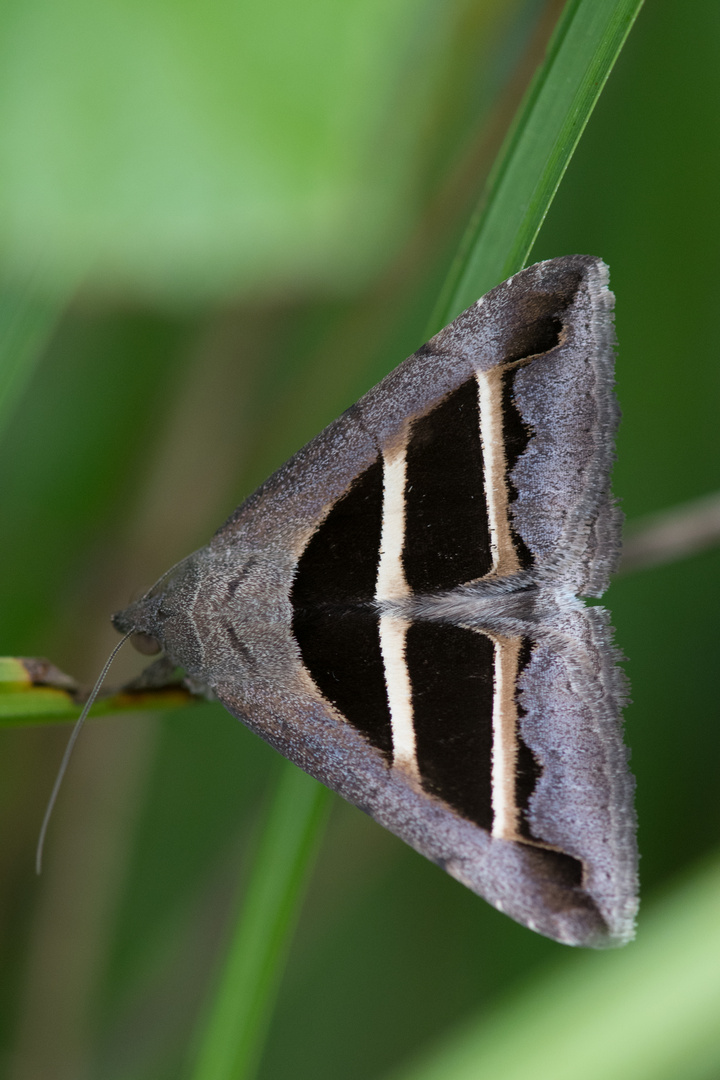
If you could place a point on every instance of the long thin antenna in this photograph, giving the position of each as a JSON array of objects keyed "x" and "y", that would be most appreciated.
[
  {"x": 68, "y": 752},
  {"x": 81, "y": 720}
]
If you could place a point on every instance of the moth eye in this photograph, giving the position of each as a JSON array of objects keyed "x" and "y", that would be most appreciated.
[{"x": 145, "y": 644}]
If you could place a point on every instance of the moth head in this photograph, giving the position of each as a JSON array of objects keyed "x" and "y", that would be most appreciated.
[
  {"x": 144, "y": 621},
  {"x": 158, "y": 621}
]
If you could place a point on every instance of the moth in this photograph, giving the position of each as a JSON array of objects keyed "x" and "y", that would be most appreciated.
[{"x": 396, "y": 609}]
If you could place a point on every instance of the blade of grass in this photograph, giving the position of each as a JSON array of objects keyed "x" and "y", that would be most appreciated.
[
  {"x": 33, "y": 691},
  {"x": 27, "y": 319},
  {"x": 231, "y": 1043},
  {"x": 555, "y": 111},
  {"x": 647, "y": 1013},
  {"x": 537, "y": 150}
]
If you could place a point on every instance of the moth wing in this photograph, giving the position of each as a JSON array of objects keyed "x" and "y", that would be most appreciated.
[
  {"x": 551, "y": 328},
  {"x": 571, "y": 694},
  {"x": 578, "y": 883}
]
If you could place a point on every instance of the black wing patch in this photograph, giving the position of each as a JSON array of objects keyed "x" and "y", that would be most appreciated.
[
  {"x": 451, "y": 673},
  {"x": 340, "y": 562},
  {"x": 341, "y": 650},
  {"x": 334, "y": 626},
  {"x": 447, "y": 536}
]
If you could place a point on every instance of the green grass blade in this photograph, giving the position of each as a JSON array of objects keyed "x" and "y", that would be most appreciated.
[
  {"x": 20, "y": 706},
  {"x": 537, "y": 150},
  {"x": 33, "y": 692},
  {"x": 649, "y": 1012},
  {"x": 26, "y": 322},
  {"x": 232, "y": 1041}
]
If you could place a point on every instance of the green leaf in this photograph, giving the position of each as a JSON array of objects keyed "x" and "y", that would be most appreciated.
[
  {"x": 34, "y": 691},
  {"x": 236, "y": 1027},
  {"x": 649, "y": 1012},
  {"x": 195, "y": 150},
  {"x": 537, "y": 150},
  {"x": 27, "y": 318}
]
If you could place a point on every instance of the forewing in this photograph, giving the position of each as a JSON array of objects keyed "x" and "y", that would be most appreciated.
[
  {"x": 519, "y": 791},
  {"x": 535, "y": 355}
]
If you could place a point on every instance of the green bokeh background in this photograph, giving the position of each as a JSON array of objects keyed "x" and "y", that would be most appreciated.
[{"x": 253, "y": 207}]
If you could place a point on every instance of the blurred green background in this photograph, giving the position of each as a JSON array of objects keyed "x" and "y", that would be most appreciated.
[{"x": 244, "y": 213}]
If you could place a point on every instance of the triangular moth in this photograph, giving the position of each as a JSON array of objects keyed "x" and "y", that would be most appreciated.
[{"x": 395, "y": 609}]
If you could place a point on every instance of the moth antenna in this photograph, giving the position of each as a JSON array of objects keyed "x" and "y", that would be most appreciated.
[
  {"x": 68, "y": 752},
  {"x": 78, "y": 725}
]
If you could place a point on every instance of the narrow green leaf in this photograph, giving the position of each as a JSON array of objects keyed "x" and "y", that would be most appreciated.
[
  {"x": 537, "y": 150},
  {"x": 13, "y": 672},
  {"x": 237, "y": 1024},
  {"x": 27, "y": 318},
  {"x": 649, "y": 1012},
  {"x": 35, "y": 691},
  {"x": 45, "y": 704}
]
